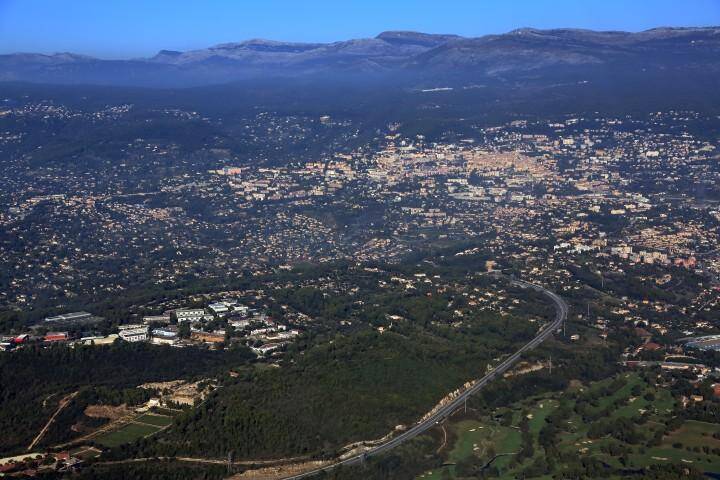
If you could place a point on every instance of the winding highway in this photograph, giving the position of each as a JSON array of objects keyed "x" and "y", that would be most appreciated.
[{"x": 561, "y": 312}]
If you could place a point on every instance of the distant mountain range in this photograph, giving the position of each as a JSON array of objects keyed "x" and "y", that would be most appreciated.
[{"x": 421, "y": 57}]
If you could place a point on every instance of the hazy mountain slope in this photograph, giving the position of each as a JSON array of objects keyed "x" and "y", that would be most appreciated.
[{"x": 408, "y": 54}]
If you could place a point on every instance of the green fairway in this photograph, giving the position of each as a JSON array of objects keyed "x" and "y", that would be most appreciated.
[
  {"x": 667, "y": 454},
  {"x": 695, "y": 434},
  {"x": 479, "y": 439},
  {"x": 539, "y": 413},
  {"x": 627, "y": 396},
  {"x": 472, "y": 437}
]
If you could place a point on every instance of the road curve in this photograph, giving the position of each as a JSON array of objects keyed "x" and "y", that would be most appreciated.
[{"x": 561, "y": 312}]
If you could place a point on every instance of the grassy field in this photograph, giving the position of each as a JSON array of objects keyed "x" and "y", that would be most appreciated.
[
  {"x": 137, "y": 428},
  {"x": 128, "y": 433},
  {"x": 157, "y": 420}
]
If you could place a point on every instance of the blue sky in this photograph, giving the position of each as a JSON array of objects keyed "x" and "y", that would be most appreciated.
[{"x": 132, "y": 28}]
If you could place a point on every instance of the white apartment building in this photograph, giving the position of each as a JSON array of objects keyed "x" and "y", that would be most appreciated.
[{"x": 133, "y": 333}]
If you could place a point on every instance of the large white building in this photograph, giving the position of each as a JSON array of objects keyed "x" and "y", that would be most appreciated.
[
  {"x": 240, "y": 323},
  {"x": 133, "y": 333},
  {"x": 219, "y": 307},
  {"x": 189, "y": 315},
  {"x": 156, "y": 319}
]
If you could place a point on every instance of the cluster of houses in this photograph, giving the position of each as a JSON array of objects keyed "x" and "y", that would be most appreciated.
[
  {"x": 41, "y": 464},
  {"x": 221, "y": 322}
]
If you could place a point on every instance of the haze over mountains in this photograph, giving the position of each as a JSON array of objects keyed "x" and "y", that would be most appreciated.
[{"x": 517, "y": 56}]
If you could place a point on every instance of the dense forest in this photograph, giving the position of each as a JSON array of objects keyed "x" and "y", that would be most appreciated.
[
  {"x": 373, "y": 381},
  {"x": 34, "y": 379}
]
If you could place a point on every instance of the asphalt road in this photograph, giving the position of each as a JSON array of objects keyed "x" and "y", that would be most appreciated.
[{"x": 561, "y": 312}]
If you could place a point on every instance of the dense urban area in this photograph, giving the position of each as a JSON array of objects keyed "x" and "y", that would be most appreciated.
[{"x": 200, "y": 295}]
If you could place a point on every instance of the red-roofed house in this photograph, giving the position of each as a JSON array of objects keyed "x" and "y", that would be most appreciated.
[
  {"x": 56, "y": 337},
  {"x": 652, "y": 347}
]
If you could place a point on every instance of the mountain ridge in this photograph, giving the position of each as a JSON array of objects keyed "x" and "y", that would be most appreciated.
[{"x": 393, "y": 52}]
